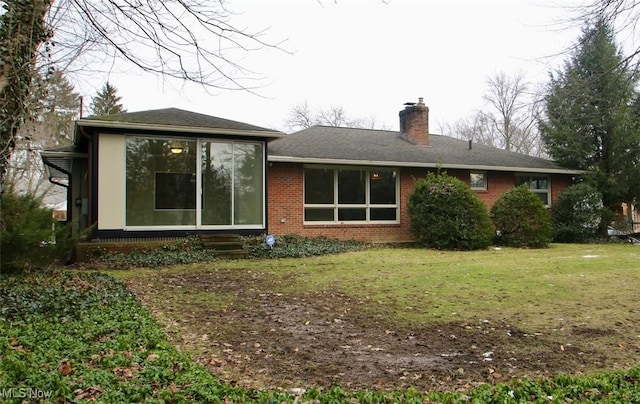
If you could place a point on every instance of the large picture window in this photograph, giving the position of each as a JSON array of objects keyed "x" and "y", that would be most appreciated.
[
  {"x": 337, "y": 195},
  {"x": 160, "y": 182},
  {"x": 194, "y": 183},
  {"x": 539, "y": 185}
]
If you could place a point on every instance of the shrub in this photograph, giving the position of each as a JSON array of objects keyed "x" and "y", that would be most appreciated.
[
  {"x": 577, "y": 213},
  {"x": 30, "y": 236},
  {"x": 521, "y": 219},
  {"x": 446, "y": 214}
]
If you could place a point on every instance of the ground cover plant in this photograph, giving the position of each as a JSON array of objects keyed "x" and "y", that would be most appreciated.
[
  {"x": 191, "y": 250},
  {"x": 82, "y": 337},
  {"x": 294, "y": 246},
  {"x": 489, "y": 325},
  {"x": 354, "y": 327}
]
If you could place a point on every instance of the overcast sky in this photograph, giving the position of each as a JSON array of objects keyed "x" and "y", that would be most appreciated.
[{"x": 370, "y": 57}]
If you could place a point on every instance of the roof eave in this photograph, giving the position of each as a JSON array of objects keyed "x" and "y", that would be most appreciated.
[
  {"x": 177, "y": 128},
  {"x": 314, "y": 160}
]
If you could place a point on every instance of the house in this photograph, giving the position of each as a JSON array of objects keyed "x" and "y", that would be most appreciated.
[
  {"x": 163, "y": 173},
  {"x": 354, "y": 183},
  {"x": 170, "y": 173}
]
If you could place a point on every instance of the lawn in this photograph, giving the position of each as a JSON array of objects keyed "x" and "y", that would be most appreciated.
[
  {"x": 390, "y": 318},
  {"x": 380, "y": 325}
]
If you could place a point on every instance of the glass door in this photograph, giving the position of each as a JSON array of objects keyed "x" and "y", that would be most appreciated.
[
  {"x": 216, "y": 176},
  {"x": 231, "y": 181}
]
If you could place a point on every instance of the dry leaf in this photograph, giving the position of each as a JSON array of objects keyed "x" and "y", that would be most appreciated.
[
  {"x": 65, "y": 368},
  {"x": 89, "y": 393}
]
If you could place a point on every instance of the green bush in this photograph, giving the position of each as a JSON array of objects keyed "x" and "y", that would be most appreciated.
[
  {"x": 521, "y": 219},
  {"x": 577, "y": 213},
  {"x": 446, "y": 214},
  {"x": 30, "y": 236}
]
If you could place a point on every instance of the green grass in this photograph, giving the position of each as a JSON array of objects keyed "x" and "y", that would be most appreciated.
[
  {"x": 590, "y": 284},
  {"x": 117, "y": 352}
]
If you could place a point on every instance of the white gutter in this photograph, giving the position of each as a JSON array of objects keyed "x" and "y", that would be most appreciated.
[
  {"x": 312, "y": 160},
  {"x": 177, "y": 128}
]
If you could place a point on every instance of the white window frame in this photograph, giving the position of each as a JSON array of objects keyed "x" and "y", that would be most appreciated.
[
  {"x": 367, "y": 205},
  {"x": 547, "y": 191}
]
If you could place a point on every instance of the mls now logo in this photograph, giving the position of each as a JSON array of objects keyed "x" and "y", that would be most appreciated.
[{"x": 24, "y": 393}]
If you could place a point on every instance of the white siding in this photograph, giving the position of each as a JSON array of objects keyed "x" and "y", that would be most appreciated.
[{"x": 111, "y": 182}]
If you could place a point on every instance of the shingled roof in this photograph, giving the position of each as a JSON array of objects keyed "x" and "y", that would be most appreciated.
[
  {"x": 336, "y": 145},
  {"x": 176, "y": 120}
]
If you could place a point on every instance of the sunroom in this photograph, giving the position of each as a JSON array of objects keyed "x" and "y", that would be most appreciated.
[{"x": 169, "y": 173}]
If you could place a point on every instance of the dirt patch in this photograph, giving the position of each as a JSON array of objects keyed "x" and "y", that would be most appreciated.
[{"x": 245, "y": 327}]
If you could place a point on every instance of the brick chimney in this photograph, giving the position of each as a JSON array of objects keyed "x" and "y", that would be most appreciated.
[{"x": 414, "y": 123}]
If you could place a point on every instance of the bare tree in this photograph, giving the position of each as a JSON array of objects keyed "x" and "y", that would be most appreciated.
[
  {"x": 510, "y": 114},
  {"x": 509, "y": 122},
  {"x": 192, "y": 40},
  {"x": 475, "y": 127},
  {"x": 332, "y": 116},
  {"x": 302, "y": 116},
  {"x": 369, "y": 122}
]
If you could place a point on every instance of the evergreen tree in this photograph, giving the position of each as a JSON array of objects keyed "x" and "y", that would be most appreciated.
[
  {"x": 54, "y": 106},
  {"x": 590, "y": 122},
  {"x": 107, "y": 101},
  {"x": 58, "y": 107}
]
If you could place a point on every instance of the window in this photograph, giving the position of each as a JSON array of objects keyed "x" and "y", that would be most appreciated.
[
  {"x": 216, "y": 170},
  {"x": 539, "y": 185},
  {"x": 350, "y": 195},
  {"x": 248, "y": 181},
  {"x": 160, "y": 182},
  {"x": 194, "y": 183},
  {"x": 478, "y": 180}
]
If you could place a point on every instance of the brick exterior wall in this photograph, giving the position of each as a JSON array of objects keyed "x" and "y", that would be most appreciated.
[{"x": 285, "y": 203}]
